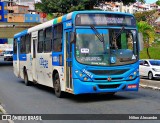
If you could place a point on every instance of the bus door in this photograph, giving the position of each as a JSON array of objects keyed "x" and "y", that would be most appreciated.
[
  {"x": 68, "y": 61},
  {"x": 33, "y": 55}
]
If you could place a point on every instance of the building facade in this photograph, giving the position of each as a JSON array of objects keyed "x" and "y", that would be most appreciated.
[
  {"x": 3, "y": 12},
  {"x": 31, "y": 18},
  {"x": 132, "y": 8}
]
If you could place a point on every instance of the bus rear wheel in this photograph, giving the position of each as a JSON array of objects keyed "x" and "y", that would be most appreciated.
[
  {"x": 57, "y": 86},
  {"x": 26, "y": 81}
]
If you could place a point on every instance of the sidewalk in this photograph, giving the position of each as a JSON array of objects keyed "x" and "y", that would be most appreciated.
[{"x": 153, "y": 84}]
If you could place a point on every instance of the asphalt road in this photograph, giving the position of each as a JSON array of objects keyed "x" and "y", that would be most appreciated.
[{"x": 17, "y": 98}]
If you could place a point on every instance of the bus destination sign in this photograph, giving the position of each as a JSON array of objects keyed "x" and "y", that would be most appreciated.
[{"x": 105, "y": 19}]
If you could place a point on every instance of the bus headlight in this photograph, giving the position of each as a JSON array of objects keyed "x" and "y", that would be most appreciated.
[
  {"x": 82, "y": 76},
  {"x": 133, "y": 74},
  {"x": 130, "y": 77},
  {"x": 85, "y": 79}
]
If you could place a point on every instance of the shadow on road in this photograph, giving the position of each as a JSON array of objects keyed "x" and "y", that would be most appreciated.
[
  {"x": 146, "y": 78},
  {"x": 83, "y": 98},
  {"x": 6, "y": 63},
  {"x": 87, "y": 98}
]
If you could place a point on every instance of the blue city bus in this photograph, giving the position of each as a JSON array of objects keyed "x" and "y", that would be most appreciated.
[{"x": 81, "y": 52}]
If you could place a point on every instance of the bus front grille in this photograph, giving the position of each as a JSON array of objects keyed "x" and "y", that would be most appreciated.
[
  {"x": 114, "y": 79},
  {"x": 108, "y": 72}
]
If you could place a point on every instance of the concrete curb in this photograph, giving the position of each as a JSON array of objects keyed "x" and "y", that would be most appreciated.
[
  {"x": 4, "y": 112},
  {"x": 148, "y": 86}
]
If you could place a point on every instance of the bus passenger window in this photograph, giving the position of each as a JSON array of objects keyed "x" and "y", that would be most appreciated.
[
  {"x": 15, "y": 46},
  {"x": 28, "y": 43},
  {"x": 48, "y": 39},
  {"x": 57, "y": 38},
  {"x": 40, "y": 41},
  {"x": 23, "y": 45}
]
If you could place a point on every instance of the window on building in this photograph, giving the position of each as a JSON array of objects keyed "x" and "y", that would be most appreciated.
[
  {"x": 10, "y": 11},
  {"x": 57, "y": 38},
  {"x": 40, "y": 41},
  {"x": 48, "y": 39}
]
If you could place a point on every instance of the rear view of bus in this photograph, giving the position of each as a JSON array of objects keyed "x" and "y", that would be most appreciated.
[{"x": 105, "y": 53}]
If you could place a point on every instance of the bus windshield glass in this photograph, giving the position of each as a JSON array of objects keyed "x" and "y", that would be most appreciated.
[{"x": 118, "y": 47}]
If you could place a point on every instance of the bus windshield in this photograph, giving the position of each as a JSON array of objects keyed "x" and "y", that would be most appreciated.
[{"x": 119, "y": 47}]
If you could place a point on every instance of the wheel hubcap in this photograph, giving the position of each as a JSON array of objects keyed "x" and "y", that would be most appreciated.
[{"x": 150, "y": 76}]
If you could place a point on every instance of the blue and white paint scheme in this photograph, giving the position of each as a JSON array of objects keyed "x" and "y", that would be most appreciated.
[{"x": 80, "y": 70}]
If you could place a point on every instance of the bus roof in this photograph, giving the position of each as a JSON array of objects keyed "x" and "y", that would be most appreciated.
[{"x": 63, "y": 18}]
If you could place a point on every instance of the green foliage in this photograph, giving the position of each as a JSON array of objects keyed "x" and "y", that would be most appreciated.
[
  {"x": 50, "y": 16},
  {"x": 147, "y": 31},
  {"x": 154, "y": 51},
  {"x": 143, "y": 16},
  {"x": 158, "y": 2},
  {"x": 66, "y": 6},
  {"x": 142, "y": 1},
  {"x": 148, "y": 34}
]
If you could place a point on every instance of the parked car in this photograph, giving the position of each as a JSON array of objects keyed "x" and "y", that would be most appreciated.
[
  {"x": 150, "y": 68},
  {"x": 8, "y": 55},
  {"x": 1, "y": 53}
]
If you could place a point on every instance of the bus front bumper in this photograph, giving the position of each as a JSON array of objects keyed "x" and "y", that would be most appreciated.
[{"x": 92, "y": 87}]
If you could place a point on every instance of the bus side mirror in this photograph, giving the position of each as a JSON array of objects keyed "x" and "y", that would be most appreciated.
[
  {"x": 141, "y": 42},
  {"x": 73, "y": 37}
]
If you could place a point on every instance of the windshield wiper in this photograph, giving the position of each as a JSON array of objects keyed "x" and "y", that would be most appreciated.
[
  {"x": 99, "y": 36},
  {"x": 116, "y": 36}
]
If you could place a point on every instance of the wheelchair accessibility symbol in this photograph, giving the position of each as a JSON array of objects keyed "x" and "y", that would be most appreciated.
[{"x": 113, "y": 60}]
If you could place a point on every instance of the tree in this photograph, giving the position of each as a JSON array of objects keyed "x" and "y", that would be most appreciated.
[
  {"x": 148, "y": 34},
  {"x": 158, "y": 2},
  {"x": 142, "y": 1},
  {"x": 66, "y": 6}
]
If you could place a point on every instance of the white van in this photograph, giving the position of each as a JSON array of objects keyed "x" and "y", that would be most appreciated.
[{"x": 8, "y": 55}]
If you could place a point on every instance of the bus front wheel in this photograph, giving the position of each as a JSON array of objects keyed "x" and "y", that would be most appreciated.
[{"x": 57, "y": 86}]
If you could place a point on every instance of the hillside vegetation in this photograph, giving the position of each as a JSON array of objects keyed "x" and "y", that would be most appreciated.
[
  {"x": 150, "y": 17},
  {"x": 154, "y": 51}
]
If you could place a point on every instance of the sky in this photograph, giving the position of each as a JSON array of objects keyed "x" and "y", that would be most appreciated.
[{"x": 151, "y": 1}]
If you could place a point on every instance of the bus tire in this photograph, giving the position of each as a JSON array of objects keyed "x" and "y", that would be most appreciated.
[
  {"x": 150, "y": 76},
  {"x": 26, "y": 81},
  {"x": 57, "y": 86}
]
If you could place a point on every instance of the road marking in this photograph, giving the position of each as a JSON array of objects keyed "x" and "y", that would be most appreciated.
[
  {"x": 4, "y": 112},
  {"x": 147, "y": 86}
]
